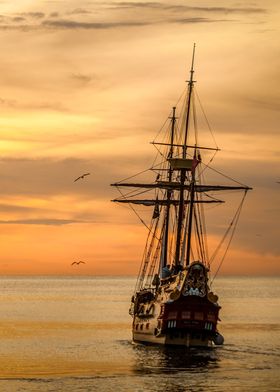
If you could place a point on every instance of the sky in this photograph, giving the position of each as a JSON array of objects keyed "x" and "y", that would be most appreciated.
[{"x": 86, "y": 85}]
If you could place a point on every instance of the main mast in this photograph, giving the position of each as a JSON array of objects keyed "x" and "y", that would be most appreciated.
[{"x": 183, "y": 177}]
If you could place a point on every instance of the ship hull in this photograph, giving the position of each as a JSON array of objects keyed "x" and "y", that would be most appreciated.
[
  {"x": 188, "y": 321},
  {"x": 174, "y": 339}
]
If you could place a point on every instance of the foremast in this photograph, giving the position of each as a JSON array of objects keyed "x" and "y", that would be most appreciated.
[{"x": 168, "y": 192}]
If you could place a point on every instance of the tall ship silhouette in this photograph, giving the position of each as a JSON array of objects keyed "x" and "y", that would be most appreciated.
[{"x": 173, "y": 302}]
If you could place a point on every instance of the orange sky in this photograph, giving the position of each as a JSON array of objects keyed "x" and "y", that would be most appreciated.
[{"x": 85, "y": 86}]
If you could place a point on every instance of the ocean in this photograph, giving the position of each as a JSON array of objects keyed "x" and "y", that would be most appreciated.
[{"x": 74, "y": 334}]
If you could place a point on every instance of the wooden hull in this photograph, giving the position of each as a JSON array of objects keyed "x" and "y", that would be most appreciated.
[
  {"x": 174, "y": 339},
  {"x": 188, "y": 321},
  {"x": 181, "y": 311}
]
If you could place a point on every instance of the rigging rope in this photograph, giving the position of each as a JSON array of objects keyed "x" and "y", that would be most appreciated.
[
  {"x": 194, "y": 121},
  {"x": 170, "y": 113},
  {"x": 142, "y": 273},
  {"x": 133, "y": 209},
  {"x": 200, "y": 232},
  {"x": 206, "y": 119},
  {"x": 232, "y": 226},
  {"x": 204, "y": 230},
  {"x": 142, "y": 266},
  {"x": 228, "y": 177},
  {"x": 155, "y": 258}
]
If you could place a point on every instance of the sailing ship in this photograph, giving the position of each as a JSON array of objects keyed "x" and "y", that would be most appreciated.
[{"x": 173, "y": 303}]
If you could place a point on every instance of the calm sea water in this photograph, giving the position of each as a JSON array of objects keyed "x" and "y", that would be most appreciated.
[{"x": 73, "y": 334}]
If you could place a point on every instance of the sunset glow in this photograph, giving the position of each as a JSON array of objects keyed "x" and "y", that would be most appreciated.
[{"x": 86, "y": 86}]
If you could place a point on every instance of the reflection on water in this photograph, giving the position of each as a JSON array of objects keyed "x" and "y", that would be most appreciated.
[
  {"x": 153, "y": 359},
  {"x": 176, "y": 369},
  {"x": 74, "y": 335}
]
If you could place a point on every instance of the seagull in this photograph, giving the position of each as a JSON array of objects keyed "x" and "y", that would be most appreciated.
[
  {"x": 78, "y": 262},
  {"x": 81, "y": 177}
]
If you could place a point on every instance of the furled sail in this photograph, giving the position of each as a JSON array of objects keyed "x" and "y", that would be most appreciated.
[
  {"x": 151, "y": 202},
  {"x": 177, "y": 185}
]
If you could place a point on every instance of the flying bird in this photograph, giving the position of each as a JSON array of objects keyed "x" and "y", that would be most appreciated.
[
  {"x": 81, "y": 177},
  {"x": 78, "y": 262}
]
